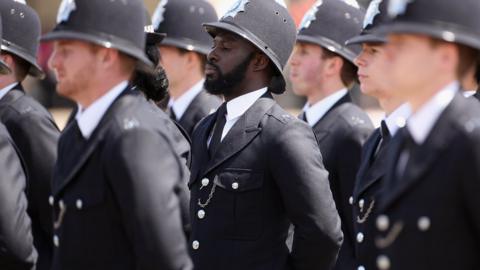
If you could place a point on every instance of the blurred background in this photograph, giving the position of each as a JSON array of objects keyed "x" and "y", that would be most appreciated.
[{"x": 44, "y": 90}]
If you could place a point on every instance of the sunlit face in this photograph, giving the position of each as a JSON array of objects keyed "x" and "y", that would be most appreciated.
[
  {"x": 372, "y": 65},
  {"x": 74, "y": 64},
  {"x": 227, "y": 63},
  {"x": 306, "y": 68},
  {"x": 412, "y": 64},
  {"x": 174, "y": 62}
]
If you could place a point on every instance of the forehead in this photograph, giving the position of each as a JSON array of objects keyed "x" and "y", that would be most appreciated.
[
  {"x": 73, "y": 43},
  {"x": 309, "y": 46}
]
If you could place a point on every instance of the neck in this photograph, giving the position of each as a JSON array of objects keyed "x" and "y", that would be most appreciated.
[
  {"x": 248, "y": 85},
  {"x": 178, "y": 89},
  {"x": 325, "y": 90},
  {"x": 6, "y": 81},
  {"x": 390, "y": 104},
  {"x": 95, "y": 92},
  {"x": 424, "y": 94}
]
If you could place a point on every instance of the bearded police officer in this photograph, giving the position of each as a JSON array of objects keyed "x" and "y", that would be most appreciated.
[
  {"x": 322, "y": 69},
  {"x": 30, "y": 125},
  {"x": 17, "y": 251},
  {"x": 255, "y": 168},
  {"x": 372, "y": 66},
  {"x": 429, "y": 215},
  {"x": 183, "y": 55},
  {"x": 116, "y": 179}
]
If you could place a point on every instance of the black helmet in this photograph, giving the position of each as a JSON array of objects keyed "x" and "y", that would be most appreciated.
[
  {"x": 117, "y": 24},
  {"x": 266, "y": 24},
  {"x": 375, "y": 15},
  {"x": 21, "y": 32},
  {"x": 182, "y": 21},
  {"x": 451, "y": 21},
  {"x": 330, "y": 23},
  {"x": 152, "y": 36}
]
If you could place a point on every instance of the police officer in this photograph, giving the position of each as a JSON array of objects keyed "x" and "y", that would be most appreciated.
[
  {"x": 429, "y": 215},
  {"x": 322, "y": 70},
  {"x": 255, "y": 168},
  {"x": 116, "y": 179},
  {"x": 17, "y": 251},
  {"x": 372, "y": 66},
  {"x": 31, "y": 126},
  {"x": 183, "y": 55},
  {"x": 154, "y": 85}
]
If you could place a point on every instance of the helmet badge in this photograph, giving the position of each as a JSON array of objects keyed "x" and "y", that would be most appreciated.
[
  {"x": 158, "y": 18},
  {"x": 66, "y": 7},
  {"x": 236, "y": 8}
]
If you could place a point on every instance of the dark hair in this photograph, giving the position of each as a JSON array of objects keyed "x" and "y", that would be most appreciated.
[
  {"x": 153, "y": 84},
  {"x": 348, "y": 74}
]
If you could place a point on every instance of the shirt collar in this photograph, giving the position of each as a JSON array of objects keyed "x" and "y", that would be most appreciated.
[
  {"x": 469, "y": 93},
  {"x": 180, "y": 105},
  {"x": 238, "y": 106},
  {"x": 421, "y": 122},
  {"x": 89, "y": 118},
  {"x": 398, "y": 118},
  {"x": 5, "y": 90},
  {"x": 318, "y": 110}
]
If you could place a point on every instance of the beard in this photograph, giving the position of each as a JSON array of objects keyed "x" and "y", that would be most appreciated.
[{"x": 225, "y": 83}]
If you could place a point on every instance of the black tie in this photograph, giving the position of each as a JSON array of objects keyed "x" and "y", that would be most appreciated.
[
  {"x": 218, "y": 130},
  {"x": 172, "y": 114},
  {"x": 385, "y": 133},
  {"x": 303, "y": 116}
]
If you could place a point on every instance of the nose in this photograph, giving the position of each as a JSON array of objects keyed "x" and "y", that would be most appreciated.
[
  {"x": 54, "y": 59},
  {"x": 212, "y": 55},
  {"x": 359, "y": 60}
]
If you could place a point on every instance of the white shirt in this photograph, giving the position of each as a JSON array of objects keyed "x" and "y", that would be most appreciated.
[
  {"x": 236, "y": 108},
  {"x": 89, "y": 118},
  {"x": 180, "y": 105},
  {"x": 469, "y": 93},
  {"x": 421, "y": 122},
  {"x": 398, "y": 118},
  {"x": 318, "y": 110},
  {"x": 5, "y": 90}
]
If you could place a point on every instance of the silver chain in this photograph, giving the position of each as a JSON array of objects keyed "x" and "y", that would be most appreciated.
[{"x": 210, "y": 196}]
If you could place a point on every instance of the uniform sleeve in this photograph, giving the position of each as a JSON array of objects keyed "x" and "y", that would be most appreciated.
[
  {"x": 16, "y": 241},
  {"x": 143, "y": 173},
  {"x": 36, "y": 137},
  {"x": 296, "y": 164}
]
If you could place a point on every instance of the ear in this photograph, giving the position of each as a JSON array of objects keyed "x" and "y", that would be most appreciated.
[
  {"x": 260, "y": 62},
  {"x": 107, "y": 57},
  {"x": 8, "y": 59},
  {"x": 334, "y": 65},
  {"x": 449, "y": 55}
]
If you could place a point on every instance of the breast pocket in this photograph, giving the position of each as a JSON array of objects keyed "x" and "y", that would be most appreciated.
[{"x": 244, "y": 190}]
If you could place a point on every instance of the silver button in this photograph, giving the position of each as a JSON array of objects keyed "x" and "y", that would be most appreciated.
[
  {"x": 195, "y": 244},
  {"x": 61, "y": 204},
  {"x": 201, "y": 214},
  {"x": 235, "y": 185},
  {"x": 424, "y": 224},
  {"x": 360, "y": 237},
  {"x": 56, "y": 241},
  {"x": 350, "y": 200},
  {"x": 361, "y": 267},
  {"x": 51, "y": 200},
  {"x": 205, "y": 182},
  {"x": 361, "y": 203},
  {"x": 383, "y": 262},
  {"x": 79, "y": 204},
  {"x": 383, "y": 222}
]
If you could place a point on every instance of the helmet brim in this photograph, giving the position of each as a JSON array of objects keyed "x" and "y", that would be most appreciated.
[
  {"x": 115, "y": 43},
  {"x": 448, "y": 34}
]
